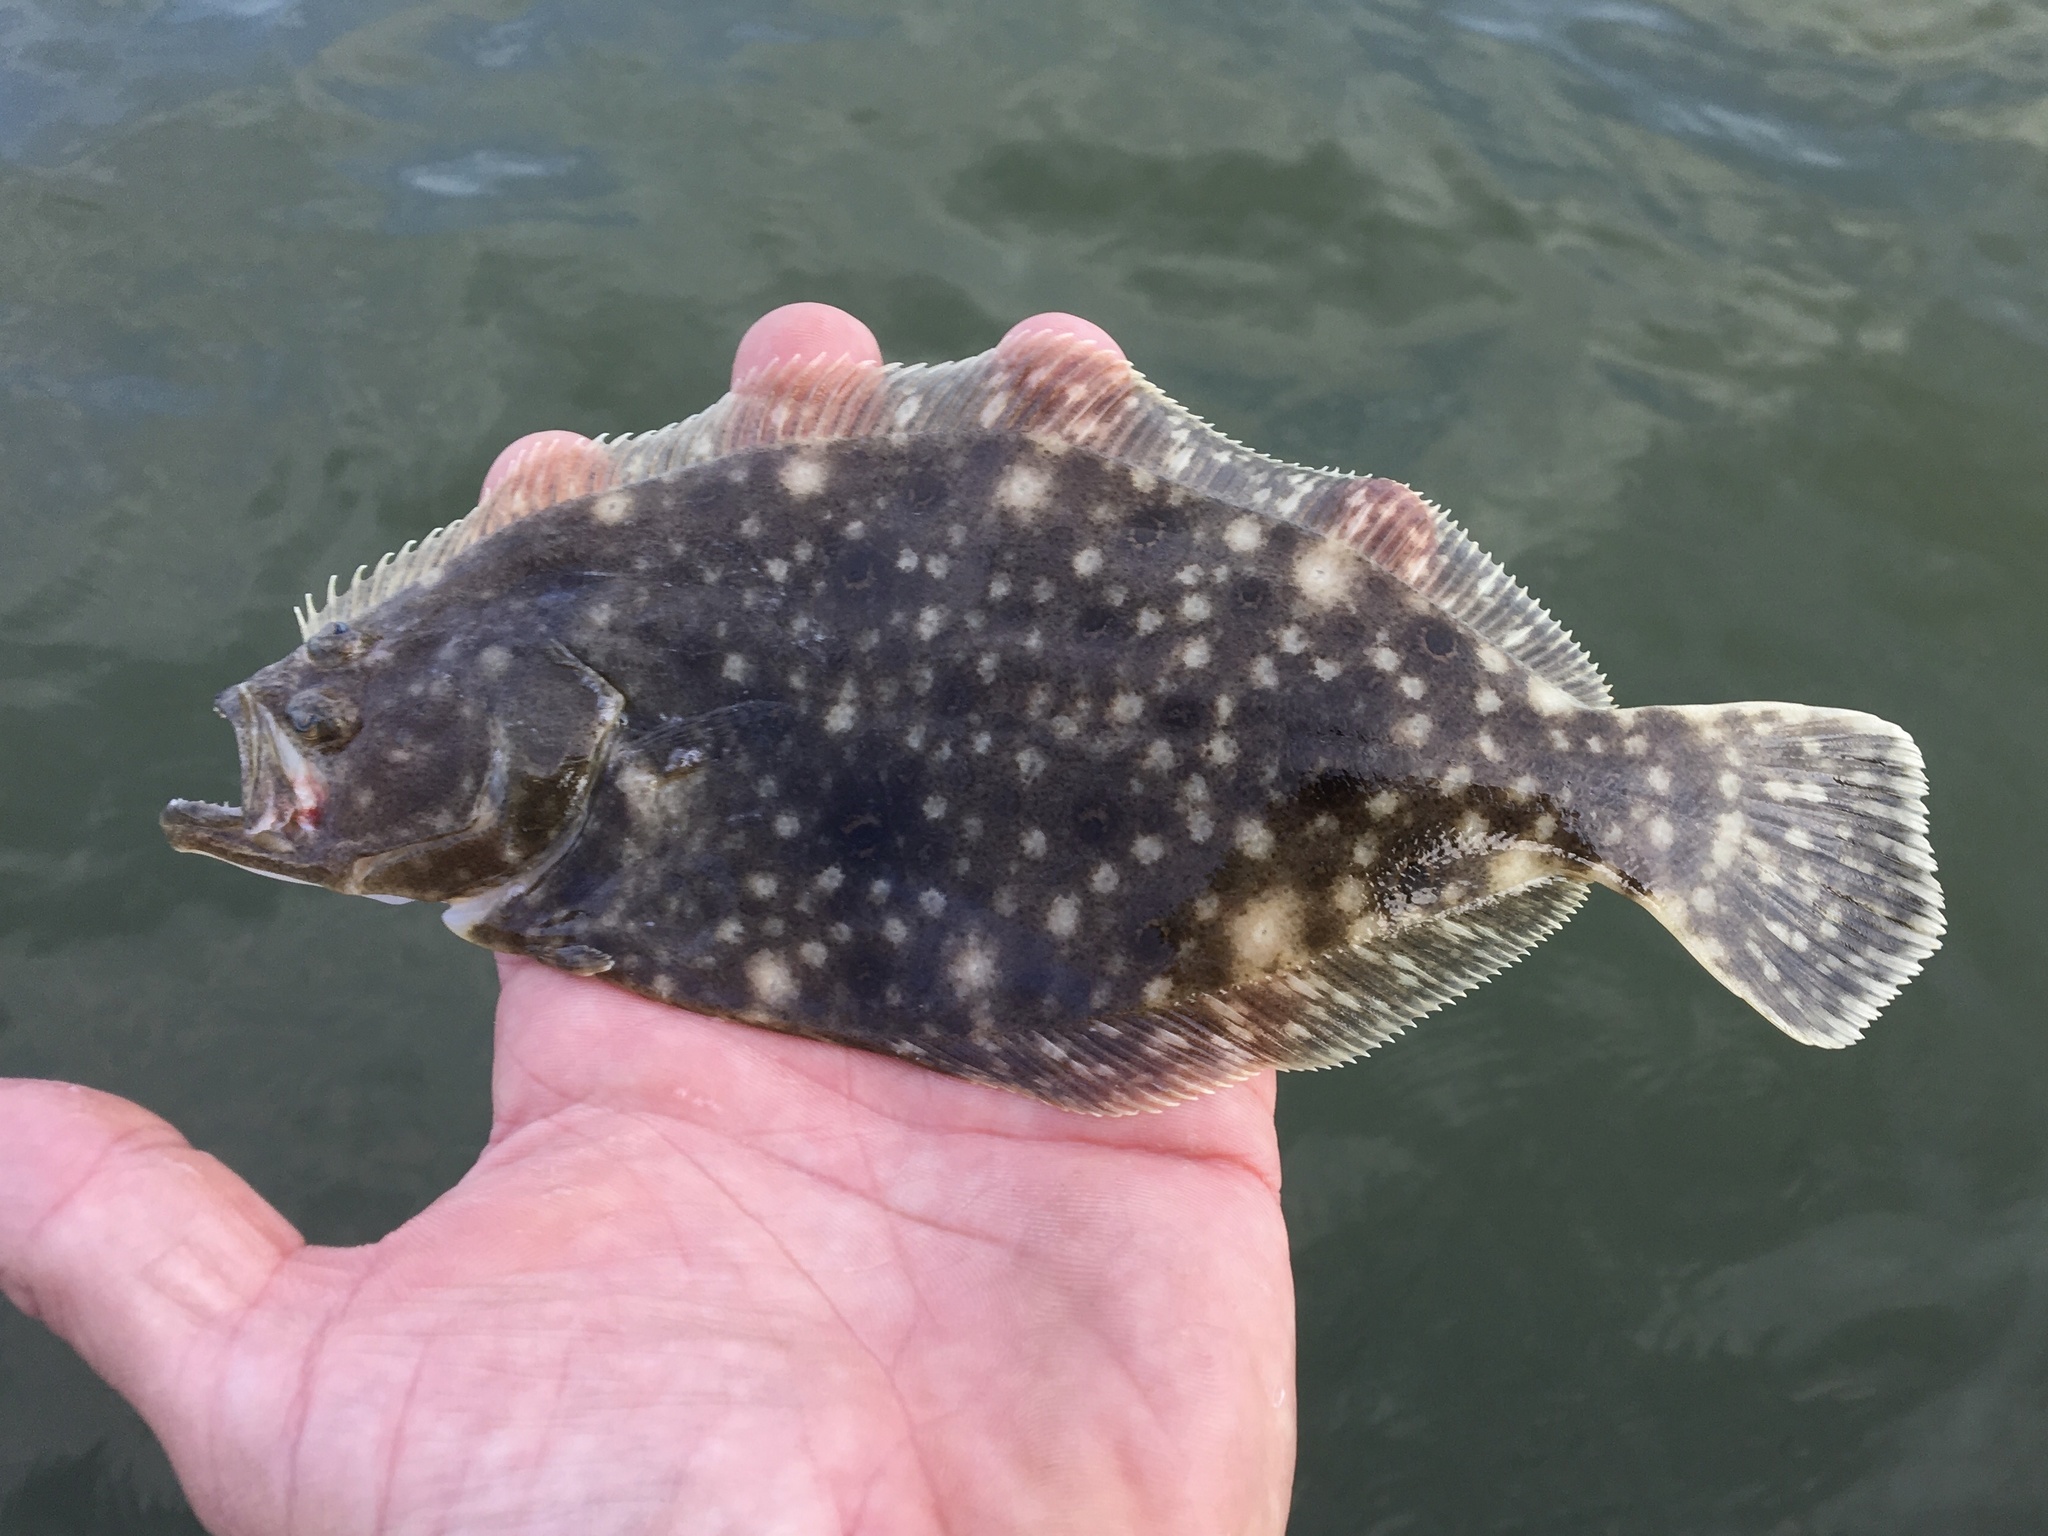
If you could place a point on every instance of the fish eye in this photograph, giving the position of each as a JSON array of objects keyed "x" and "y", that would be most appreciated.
[
  {"x": 323, "y": 719},
  {"x": 336, "y": 644},
  {"x": 1438, "y": 638}
]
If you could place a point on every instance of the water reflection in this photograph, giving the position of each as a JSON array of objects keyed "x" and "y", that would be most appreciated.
[{"x": 1723, "y": 323}]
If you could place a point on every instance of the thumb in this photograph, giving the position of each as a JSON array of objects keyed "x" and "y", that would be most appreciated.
[{"x": 127, "y": 1243}]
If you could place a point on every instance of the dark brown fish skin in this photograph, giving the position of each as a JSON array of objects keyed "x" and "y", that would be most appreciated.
[{"x": 966, "y": 747}]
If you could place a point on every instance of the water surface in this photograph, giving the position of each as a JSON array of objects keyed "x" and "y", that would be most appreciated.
[{"x": 1722, "y": 322}]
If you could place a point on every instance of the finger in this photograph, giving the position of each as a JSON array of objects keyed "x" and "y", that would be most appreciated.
[
  {"x": 540, "y": 469},
  {"x": 801, "y": 331},
  {"x": 126, "y": 1242},
  {"x": 1055, "y": 323}
]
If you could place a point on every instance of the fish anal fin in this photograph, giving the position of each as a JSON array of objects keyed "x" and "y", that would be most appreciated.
[{"x": 1326, "y": 1012}]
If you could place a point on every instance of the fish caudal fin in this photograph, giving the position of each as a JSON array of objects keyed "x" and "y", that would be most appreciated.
[{"x": 1795, "y": 865}]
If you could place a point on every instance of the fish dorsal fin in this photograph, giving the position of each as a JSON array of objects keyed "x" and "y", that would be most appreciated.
[
  {"x": 1330, "y": 1011},
  {"x": 1058, "y": 388}
]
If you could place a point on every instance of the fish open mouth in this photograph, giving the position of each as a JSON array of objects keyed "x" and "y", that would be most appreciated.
[{"x": 283, "y": 795}]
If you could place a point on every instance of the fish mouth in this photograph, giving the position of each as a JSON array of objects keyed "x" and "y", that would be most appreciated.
[{"x": 283, "y": 797}]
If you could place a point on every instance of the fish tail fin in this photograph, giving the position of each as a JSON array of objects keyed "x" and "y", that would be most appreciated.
[{"x": 1793, "y": 861}]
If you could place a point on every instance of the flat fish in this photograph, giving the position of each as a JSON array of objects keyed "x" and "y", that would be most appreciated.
[{"x": 1003, "y": 717}]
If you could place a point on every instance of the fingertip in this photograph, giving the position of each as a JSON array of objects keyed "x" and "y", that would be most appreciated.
[
  {"x": 1058, "y": 323},
  {"x": 804, "y": 330},
  {"x": 526, "y": 453}
]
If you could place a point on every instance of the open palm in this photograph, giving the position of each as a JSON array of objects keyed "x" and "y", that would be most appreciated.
[{"x": 703, "y": 1278}]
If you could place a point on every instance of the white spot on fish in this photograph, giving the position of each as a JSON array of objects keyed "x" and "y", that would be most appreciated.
[
  {"x": 1546, "y": 698},
  {"x": 1264, "y": 673},
  {"x": 770, "y": 977},
  {"x": 736, "y": 669},
  {"x": 1244, "y": 535},
  {"x": 1195, "y": 653},
  {"x": 1323, "y": 574},
  {"x": 973, "y": 968},
  {"x": 839, "y": 718},
  {"x": 1659, "y": 779},
  {"x": 1087, "y": 562},
  {"x": 1063, "y": 916},
  {"x": 803, "y": 475},
  {"x": 1327, "y": 671},
  {"x": 612, "y": 507},
  {"x": 1413, "y": 687},
  {"x": 1413, "y": 730},
  {"x": 1266, "y": 934},
  {"x": 1148, "y": 849},
  {"x": 1125, "y": 708},
  {"x": 1033, "y": 843},
  {"x": 1727, "y": 845},
  {"x": 1384, "y": 659},
  {"x": 1103, "y": 880},
  {"x": 1254, "y": 839},
  {"x": 1023, "y": 488},
  {"x": 1660, "y": 833}
]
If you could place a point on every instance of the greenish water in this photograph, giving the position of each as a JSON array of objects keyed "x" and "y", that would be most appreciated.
[{"x": 1722, "y": 322}]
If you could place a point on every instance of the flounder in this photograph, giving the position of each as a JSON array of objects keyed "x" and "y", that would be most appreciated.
[{"x": 1003, "y": 717}]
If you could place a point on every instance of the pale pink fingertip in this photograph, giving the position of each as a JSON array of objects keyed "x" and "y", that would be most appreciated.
[
  {"x": 526, "y": 453},
  {"x": 1055, "y": 323},
  {"x": 798, "y": 331}
]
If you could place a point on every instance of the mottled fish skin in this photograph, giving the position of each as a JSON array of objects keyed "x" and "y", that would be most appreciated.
[{"x": 990, "y": 751}]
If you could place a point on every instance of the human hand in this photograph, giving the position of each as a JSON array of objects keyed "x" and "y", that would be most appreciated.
[{"x": 704, "y": 1278}]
